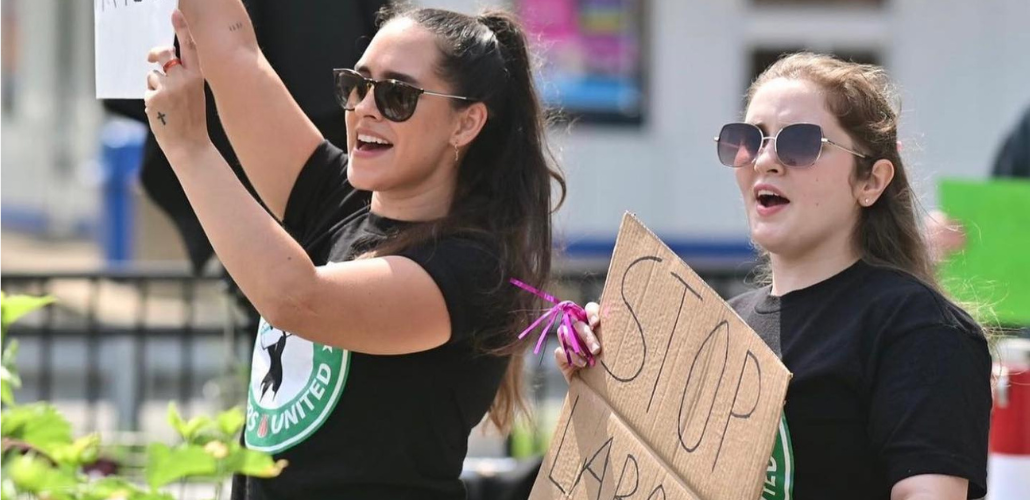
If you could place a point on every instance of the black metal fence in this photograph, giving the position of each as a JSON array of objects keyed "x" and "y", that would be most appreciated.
[
  {"x": 120, "y": 338},
  {"x": 124, "y": 336}
]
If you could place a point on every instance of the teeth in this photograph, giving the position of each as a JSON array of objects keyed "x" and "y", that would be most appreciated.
[
  {"x": 372, "y": 139},
  {"x": 766, "y": 192}
]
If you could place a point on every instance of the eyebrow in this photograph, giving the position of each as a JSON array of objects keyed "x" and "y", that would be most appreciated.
[{"x": 389, "y": 75}]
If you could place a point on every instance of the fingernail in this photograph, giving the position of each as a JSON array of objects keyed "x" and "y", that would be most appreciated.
[
  {"x": 595, "y": 348},
  {"x": 593, "y": 319}
]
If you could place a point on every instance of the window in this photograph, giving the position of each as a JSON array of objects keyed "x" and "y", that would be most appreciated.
[
  {"x": 593, "y": 56},
  {"x": 822, "y": 3},
  {"x": 764, "y": 57}
]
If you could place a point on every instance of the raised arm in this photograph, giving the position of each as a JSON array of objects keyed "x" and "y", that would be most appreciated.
[{"x": 268, "y": 130}]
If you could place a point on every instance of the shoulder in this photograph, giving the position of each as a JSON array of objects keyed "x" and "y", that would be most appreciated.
[
  {"x": 473, "y": 251},
  {"x": 746, "y": 302},
  {"x": 904, "y": 304},
  {"x": 461, "y": 262}
]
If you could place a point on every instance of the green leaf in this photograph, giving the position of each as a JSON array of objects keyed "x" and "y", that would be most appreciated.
[
  {"x": 39, "y": 425},
  {"x": 6, "y": 392},
  {"x": 165, "y": 465},
  {"x": 231, "y": 421},
  {"x": 9, "y": 380},
  {"x": 13, "y": 307},
  {"x": 110, "y": 488},
  {"x": 153, "y": 495},
  {"x": 252, "y": 463},
  {"x": 83, "y": 451},
  {"x": 7, "y": 489},
  {"x": 190, "y": 431},
  {"x": 175, "y": 420},
  {"x": 34, "y": 474},
  {"x": 10, "y": 353}
]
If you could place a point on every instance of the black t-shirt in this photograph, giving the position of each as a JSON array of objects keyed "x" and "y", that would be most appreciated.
[
  {"x": 890, "y": 381},
  {"x": 355, "y": 425}
]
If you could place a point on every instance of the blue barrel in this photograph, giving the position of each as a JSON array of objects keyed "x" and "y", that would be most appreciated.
[{"x": 122, "y": 152}]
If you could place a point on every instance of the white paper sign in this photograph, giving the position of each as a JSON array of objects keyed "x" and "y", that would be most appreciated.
[{"x": 125, "y": 31}]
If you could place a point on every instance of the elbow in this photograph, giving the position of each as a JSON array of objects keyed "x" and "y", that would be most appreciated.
[{"x": 287, "y": 305}]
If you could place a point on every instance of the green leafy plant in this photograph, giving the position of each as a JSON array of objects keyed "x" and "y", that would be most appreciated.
[{"x": 42, "y": 460}]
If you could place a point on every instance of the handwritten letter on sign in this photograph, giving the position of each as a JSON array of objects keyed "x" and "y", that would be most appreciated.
[
  {"x": 685, "y": 401},
  {"x": 124, "y": 31}
]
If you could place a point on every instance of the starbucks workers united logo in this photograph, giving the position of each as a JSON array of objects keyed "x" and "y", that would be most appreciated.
[
  {"x": 779, "y": 477},
  {"x": 294, "y": 387}
]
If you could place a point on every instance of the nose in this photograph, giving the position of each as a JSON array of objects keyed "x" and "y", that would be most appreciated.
[
  {"x": 367, "y": 107},
  {"x": 767, "y": 160}
]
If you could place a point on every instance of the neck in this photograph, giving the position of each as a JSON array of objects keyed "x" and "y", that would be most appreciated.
[
  {"x": 428, "y": 201},
  {"x": 795, "y": 272}
]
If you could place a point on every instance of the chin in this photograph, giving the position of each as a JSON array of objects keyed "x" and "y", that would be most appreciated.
[
  {"x": 360, "y": 179},
  {"x": 770, "y": 241}
]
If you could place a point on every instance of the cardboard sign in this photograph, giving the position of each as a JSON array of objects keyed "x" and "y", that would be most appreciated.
[
  {"x": 124, "y": 32},
  {"x": 685, "y": 399},
  {"x": 994, "y": 267}
]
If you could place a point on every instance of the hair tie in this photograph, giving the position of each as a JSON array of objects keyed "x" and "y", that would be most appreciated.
[{"x": 564, "y": 312}]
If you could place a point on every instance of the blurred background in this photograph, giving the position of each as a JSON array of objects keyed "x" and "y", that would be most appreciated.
[{"x": 645, "y": 84}]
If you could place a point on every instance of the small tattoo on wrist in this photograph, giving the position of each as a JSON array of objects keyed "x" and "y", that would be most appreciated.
[{"x": 236, "y": 26}]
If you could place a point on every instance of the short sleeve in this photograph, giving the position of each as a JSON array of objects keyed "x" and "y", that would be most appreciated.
[
  {"x": 470, "y": 276},
  {"x": 931, "y": 405},
  {"x": 321, "y": 196}
]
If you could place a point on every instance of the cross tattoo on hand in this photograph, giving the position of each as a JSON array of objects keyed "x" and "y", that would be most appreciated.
[{"x": 161, "y": 116}]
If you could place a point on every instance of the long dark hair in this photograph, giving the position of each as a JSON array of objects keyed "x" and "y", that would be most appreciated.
[{"x": 504, "y": 185}]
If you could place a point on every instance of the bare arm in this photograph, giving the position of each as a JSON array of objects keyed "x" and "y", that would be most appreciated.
[
  {"x": 930, "y": 487},
  {"x": 269, "y": 132},
  {"x": 388, "y": 305}
]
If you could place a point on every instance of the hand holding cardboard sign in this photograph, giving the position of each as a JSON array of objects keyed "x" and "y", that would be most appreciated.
[
  {"x": 587, "y": 337},
  {"x": 684, "y": 403}
]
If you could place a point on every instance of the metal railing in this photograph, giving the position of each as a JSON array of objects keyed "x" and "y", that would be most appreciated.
[{"x": 121, "y": 339}]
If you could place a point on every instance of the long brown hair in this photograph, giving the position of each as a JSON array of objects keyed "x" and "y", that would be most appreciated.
[
  {"x": 505, "y": 180},
  {"x": 865, "y": 103}
]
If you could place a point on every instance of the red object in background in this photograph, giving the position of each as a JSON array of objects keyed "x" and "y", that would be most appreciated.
[
  {"x": 1008, "y": 468},
  {"x": 1010, "y": 420}
]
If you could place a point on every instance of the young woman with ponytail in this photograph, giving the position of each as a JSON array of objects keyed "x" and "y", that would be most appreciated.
[{"x": 389, "y": 327}]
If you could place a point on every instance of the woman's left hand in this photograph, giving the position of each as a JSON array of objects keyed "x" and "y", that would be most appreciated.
[{"x": 175, "y": 98}]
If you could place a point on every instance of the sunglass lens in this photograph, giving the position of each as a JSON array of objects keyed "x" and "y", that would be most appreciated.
[
  {"x": 351, "y": 89},
  {"x": 798, "y": 145},
  {"x": 396, "y": 100},
  {"x": 738, "y": 144}
]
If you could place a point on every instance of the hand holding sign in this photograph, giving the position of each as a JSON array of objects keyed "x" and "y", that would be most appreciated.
[
  {"x": 586, "y": 334},
  {"x": 685, "y": 401},
  {"x": 123, "y": 32},
  {"x": 174, "y": 99}
]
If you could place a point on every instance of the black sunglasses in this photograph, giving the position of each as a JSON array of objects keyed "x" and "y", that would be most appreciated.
[
  {"x": 797, "y": 145},
  {"x": 395, "y": 99}
]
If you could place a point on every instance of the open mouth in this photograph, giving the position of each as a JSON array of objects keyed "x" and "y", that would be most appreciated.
[
  {"x": 372, "y": 143},
  {"x": 770, "y": 199}
]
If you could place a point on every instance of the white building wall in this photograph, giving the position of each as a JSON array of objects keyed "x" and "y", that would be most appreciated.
[{"x": 962, "y": 66}]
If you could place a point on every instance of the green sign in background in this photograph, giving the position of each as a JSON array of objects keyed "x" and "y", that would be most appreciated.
[{"x": 994, "y": 268}]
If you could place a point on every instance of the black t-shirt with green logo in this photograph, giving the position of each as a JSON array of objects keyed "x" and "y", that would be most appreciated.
[
  {"x": 359, "y": 426},
  {"x": 890, "y": 381}
]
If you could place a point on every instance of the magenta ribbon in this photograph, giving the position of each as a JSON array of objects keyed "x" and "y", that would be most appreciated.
[{"x": 564, "y": 312}]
